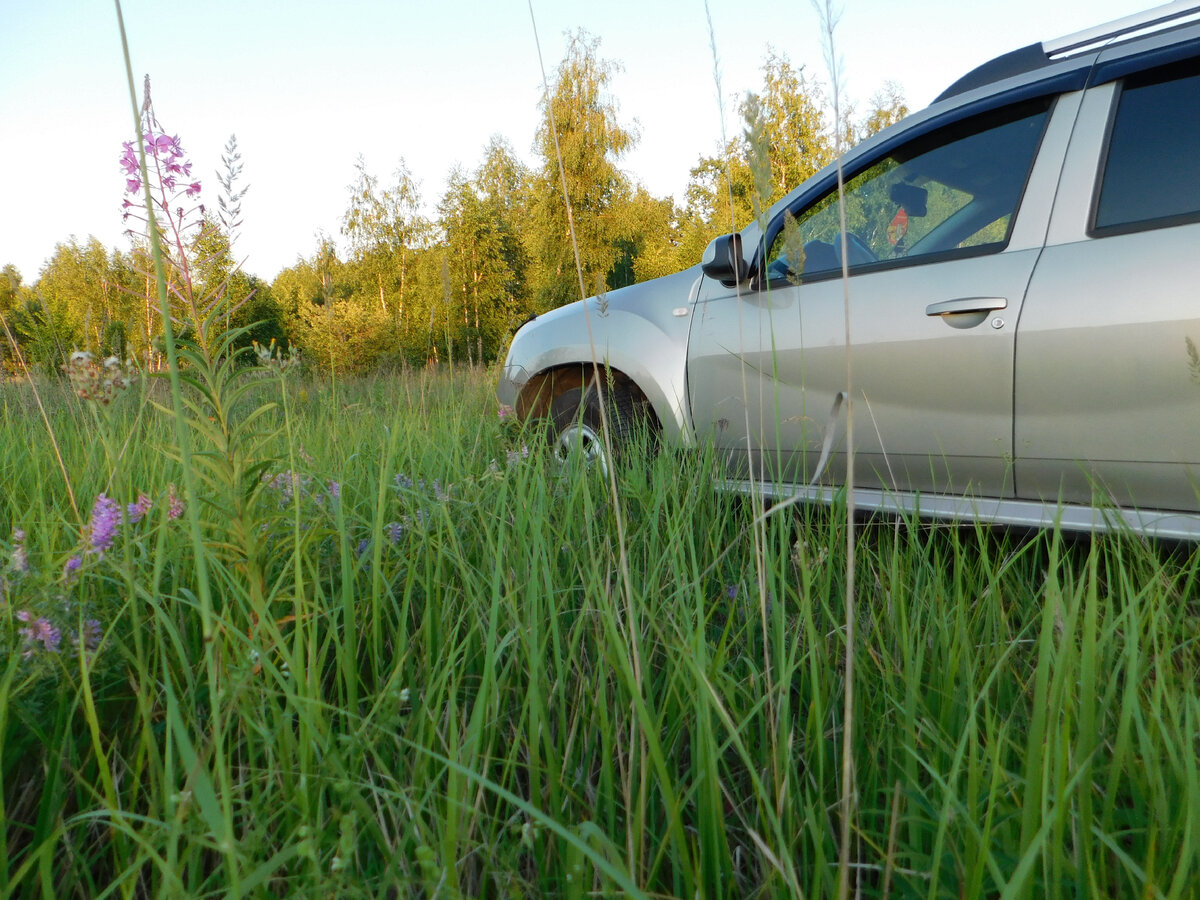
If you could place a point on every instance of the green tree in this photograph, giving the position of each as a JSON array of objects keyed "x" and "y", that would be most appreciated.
[
  {"x": 485, "y": 258},
  {"x": 579, "y": 125},
  {"x": 78, "y": 301},
  {"x": 328, "y": 315},
  {"x": 786, "y": 139},
  {"x": 247, "y": 300},
  {"x": 887, "y": 108},
  {"x": 13, "y": 296},
  {"x": 384, "y": 226},
  {"x": 10, "y": 288},
  {"x": 503, "y": 183},
  {"x": 792, "y": 110},
  {"x": 648, "y": 238}
]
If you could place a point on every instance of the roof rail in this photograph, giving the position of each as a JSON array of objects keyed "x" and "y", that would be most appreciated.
[
  {"x": 1158, "y": 15},
  {"x": 1036, "y": 56}
]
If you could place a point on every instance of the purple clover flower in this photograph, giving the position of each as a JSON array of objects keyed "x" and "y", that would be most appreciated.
[
  {"x": 335, "y": 490},
  {"x": 89, "y": 638},
  {"x": 363, "y": 546},
  {"x": 175, "y": 505},
  {"x": 290, "y": 486},
  {"x": 71, "y": 568},
  {"x": 20, "y": 557},
  {"x": 39, "y": 630},
  {"x": 135, "y": 512},
  {"x": 395, "y": 531},
  {"x": 106, "y": 519}
]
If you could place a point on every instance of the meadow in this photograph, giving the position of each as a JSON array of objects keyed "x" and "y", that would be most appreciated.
[{"x": 404, "y": 654}]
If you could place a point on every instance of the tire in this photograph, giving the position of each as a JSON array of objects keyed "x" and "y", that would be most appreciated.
[{"x": 577, "y": 428}]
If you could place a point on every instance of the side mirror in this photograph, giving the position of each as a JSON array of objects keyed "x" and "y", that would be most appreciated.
[{"x": 723, "y": 260}]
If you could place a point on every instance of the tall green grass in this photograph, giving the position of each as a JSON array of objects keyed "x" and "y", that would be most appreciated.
[{"x": 420, "y": 689}]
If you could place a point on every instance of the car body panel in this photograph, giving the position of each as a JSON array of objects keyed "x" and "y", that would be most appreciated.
[{"x": 1050, "y": 380}]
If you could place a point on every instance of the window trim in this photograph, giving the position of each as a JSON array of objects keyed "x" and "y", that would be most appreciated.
[
  {"x": 1163, "y": 57},
  {"x": 883, "y": 265}
]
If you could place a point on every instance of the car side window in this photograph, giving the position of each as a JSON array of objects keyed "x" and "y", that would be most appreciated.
[
  {"x": 952, "y": 192},
  {"x": 1151, "y": 172}
]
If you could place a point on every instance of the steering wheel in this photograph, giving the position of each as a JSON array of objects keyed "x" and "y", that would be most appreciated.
[
  {"x": 857, "y": 251},
  {"x": 779, "y": 268}
]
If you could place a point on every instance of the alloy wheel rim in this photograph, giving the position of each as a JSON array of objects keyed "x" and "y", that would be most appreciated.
[{"x": 582, "y": 442}]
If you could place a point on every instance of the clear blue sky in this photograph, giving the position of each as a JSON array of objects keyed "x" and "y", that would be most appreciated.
[{"x": 308, "y": 87}]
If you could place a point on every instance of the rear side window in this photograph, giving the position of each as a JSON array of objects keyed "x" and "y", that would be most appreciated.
[{"x": 1151, "y": 174}]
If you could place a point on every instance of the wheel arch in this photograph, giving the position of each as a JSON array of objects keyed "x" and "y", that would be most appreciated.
[{"x": 539, "y": 393}]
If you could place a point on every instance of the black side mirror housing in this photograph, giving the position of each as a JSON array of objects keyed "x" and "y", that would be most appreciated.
[{"x": 723, "y": 260}]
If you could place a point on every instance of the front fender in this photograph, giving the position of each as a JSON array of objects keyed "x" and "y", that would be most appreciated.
[{"x": 640, "y": 331}]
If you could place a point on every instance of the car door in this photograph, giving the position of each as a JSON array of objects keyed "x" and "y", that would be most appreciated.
[
  {"x": 1107, "y": 398},
  {"x": 939, "y": 260}
]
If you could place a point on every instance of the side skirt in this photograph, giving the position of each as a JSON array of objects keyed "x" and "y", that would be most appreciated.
[{"x": 1024, "y": 513}]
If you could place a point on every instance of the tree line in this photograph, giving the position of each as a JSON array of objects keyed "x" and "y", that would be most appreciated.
[{"x": 410, "y": 288}]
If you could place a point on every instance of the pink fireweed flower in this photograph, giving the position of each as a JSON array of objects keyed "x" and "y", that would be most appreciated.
[
  {"x": 168, "y": 176},
  {"x": 106, "y": 519},
  {"x": 164, "y": 145},
  {"x": 129, "y": 160}
]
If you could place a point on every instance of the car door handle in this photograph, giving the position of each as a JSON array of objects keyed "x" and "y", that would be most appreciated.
[{"x": 965, "y": 305}]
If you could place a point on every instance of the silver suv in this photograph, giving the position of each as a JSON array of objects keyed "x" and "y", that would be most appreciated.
[{"x": 1022, "y": 262}]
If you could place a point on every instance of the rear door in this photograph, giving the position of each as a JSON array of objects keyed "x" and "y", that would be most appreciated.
[{"x": 1107, "y": 397}]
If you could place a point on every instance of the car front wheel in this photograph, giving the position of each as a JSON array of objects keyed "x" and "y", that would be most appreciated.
[{"x": 578, "y": 426}]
